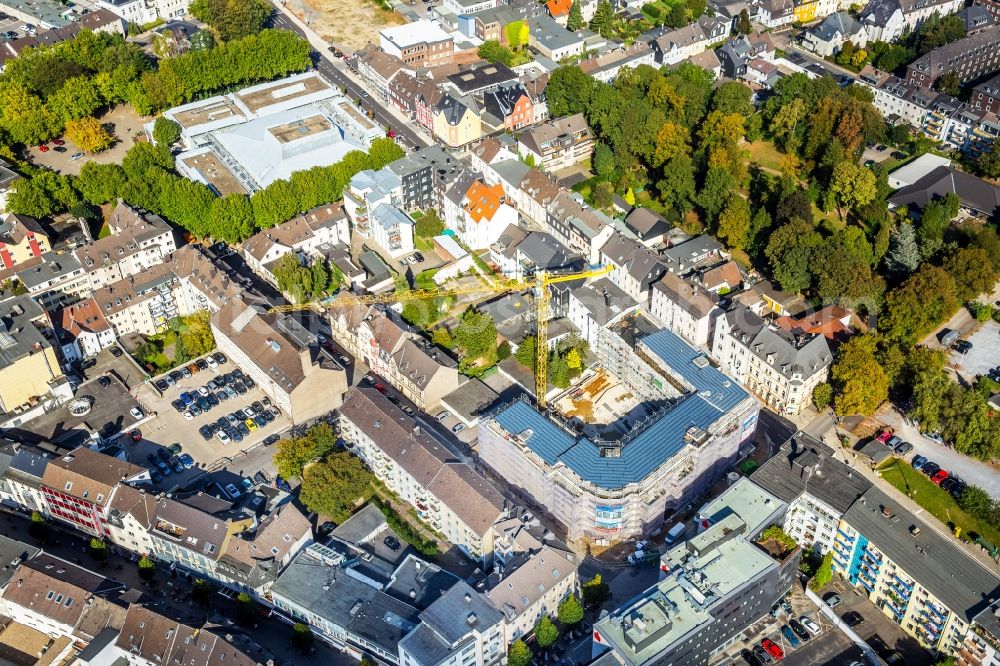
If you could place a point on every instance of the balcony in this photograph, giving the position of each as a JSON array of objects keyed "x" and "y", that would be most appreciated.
[
  {"x": 847, "y": 537},
  {"x": 907, "y": 586}
]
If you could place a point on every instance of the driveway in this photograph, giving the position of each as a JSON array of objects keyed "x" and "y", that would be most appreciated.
[
  {"x": 125, "y": 125},
  {"x": 974, "y": 472},
  {"x": 984, "y": 355}
]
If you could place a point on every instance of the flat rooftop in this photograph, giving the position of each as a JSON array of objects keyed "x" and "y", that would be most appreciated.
[
  {"x": 219, "y": 109},
  {"x": 299, "y": 129},
  {"x": 259, "y": 97},
  {"x": 215, "y": 173},
  {"x": 356, "y": 116}
]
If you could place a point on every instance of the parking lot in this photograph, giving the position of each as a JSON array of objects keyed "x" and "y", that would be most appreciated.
[
  {"x": 984, "y": 355},
  {"x": 184, "y": 427}
]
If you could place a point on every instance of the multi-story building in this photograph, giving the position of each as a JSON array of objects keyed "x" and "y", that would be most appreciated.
[
  {"x": 557, "y": 143},
  {"x": 302, "y": 234},
  {"x": 478, "y": 213},
  {"x": 53, "y": 279},
  {"x": 419, "y": 370},
  {"x": 685, "y": 307},
  {"x": 607, "y": 490},
  {"x": 677, "y": 45},
  {"x": 637, "y": 267},
  {"x": 608, "y": 65},
  {"x": 392, "y": 230},
  {"x": 22, "y": 481},
  {"x": 141, "y": 12},
  {"x": 970, "y": 58},
  {"x": 981, "y": 646},
  {"x": 78, "y": 487},
  {"x": 579, "y": 227},
  {"x": 913, "y": 573},
  {"x": 192, "y": 538},
  {"x": 138, "y": 242},
  {"x": 418, "y": 44},
  {"x": 131, "y": 516},
  {"x": 711, "y": 589},
  {"x": 456, "y": 120},
  {"x": 781, "y": 368},
  {"x": 508, "y": 107},
  {"x": 818, "y": 488},
  {"x": 378, "y": 69},
  {"x": 21, "y": 238},
  {"x": 29, "y": 368},
  {"x": 467, "y": 7},
  {"x": 279, "y": 355},
  {"x": 886, "y": 20},
  {"x": 448, "y": 494},
  {"x": 83, "y": 330},
  {"x": 597, "y": 305},
  {"x": 986, "y": 96}
]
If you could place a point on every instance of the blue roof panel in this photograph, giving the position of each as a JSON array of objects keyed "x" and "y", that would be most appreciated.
[{"x": 709, "y": 382}]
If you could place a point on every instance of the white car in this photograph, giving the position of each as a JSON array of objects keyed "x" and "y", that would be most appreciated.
[
  {"x": 810, "y": 626},
  {"x": 223, "y": 437},
  {"x": 203, "y": 391},
  {"x": 211, "y": 362},
  {"x": 641, "y": 545},
  {"x": 136, "y": 413},
  {"x": 188, "y": 416}
]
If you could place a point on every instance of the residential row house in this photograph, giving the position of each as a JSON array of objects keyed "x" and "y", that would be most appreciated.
[
  {"x": 677, "y": 45},
  {"x": 557, "y": 143},
  {"x": 448, "y": 494},
  {"x": 888, "y": 20},
  {"x": 303, "y": 235},
  {"x": 21, "y": 238},
  {"x": 419, "y": 370},
  {"x": 477, "y": 212},
  {"x": 421, "y": 43},
  {"x": 971, "y": 57},
  {"x": 30, "y": 374}
]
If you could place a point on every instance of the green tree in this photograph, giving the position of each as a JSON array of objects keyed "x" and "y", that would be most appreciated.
[
  {"x": 293, "y": 279},
  {"x": 89, "y": 135},
  {"x": 546, "y": 633},
  {"x": 604, "y": 18},
  {"x": 860, "y": 383},
  {"x": 716, "y": 192},
  {"x": 904, "y": 253},
  {"x": 732, "y": 97},
  {"x": 977, "y": 503},
  {"x": 336, "y": 485},
  {"x": 575, "y": 20},
  {"x": 429, "y": 225},
  {"x": 100, "y": 183},
  {"x": 852, "y": 185},
  {"x": 949, "y": 83},
  {"x": 734, "y": 222},
  {"x": 233, "y": 19},
  {"x": 201, "y": 40},
  {"x": 595, "y": 592},
  {"x": 743, "y": 23},
  {"x": 573, "y": 361},
  {"x": 78, "y": 98},
  {"x": 294, "y": 453},
  {"x": 517, "y": 33},
  {"x": 495, "y": 52},
  {"x": 972, "y": 270},
  {"x": 302, "y": 635},
  {"x": 989, "y": 161},
  {"x": 476, "y": 335},
  {"x": 38, "y": 527},
  {"x": 790, "y": 252},
  {"x": 604, "y": 161},
  {"x": 824, "y": 574},
  {"x": 570, "y": 611},
  {"x": 442, "y": 337},
  {"x": 525, "y": 353},
  {"x": 569, "y": 89},
  {"x": 822, "y": 396},
  {"x": 603, "y": 195},
  {"x": 147, "y": 568},
  {"x": 42, "y": 195},
  {"x": 166, "y": 131},
  {"x": 98, "y": 549},
  {"x": 519, "y": 654},
  {"x": 913, "y": 310}
]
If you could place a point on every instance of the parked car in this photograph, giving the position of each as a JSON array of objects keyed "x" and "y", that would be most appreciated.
[
  {"x": 832, "y": 599},
  {"x": 104, "y": 381},
  {"x": 202, "y": 364},
  {"x": 853, "y": 619},
  {"x": 957, "y": 488},
  {"x": 271, "y": 439},
  {"x": 962, "y": 346},
  {"x": 176, "y": 464},
  {"x": 939, "y": 477},
  {"x": 222, "y": 436},
  {"x": 918, "y": 462},
  {"x": 790, "y": 636},
  {"x": 930, "y": 468},
  {"x": 750, "y": 658},
  {"x": 161, "y": 385},
  {"x": 178, "y": 405},
  {"x": 186, "y": 460},
  {"x": 442, "y": 415},
  {"x": 220, "y": 358},
  {"x": 391, "y": 542},
  {"x": 810, "y": 625},
  {"x": 762, "y": 654},
  {"x": 773, "y": 649},
  {"x": 205, "y": 432},
  {"x": 155, "y": 476},
  {"x": 212, "y": 363},
  {"x": 904, "y": 448},
  {"x": 136, "y": 413},
  {"x": 458, "y": 427},
  {"x": 894, "y": 441},
  {"x": 232, "y": 491},
  {"x": 884, "y": 436}
]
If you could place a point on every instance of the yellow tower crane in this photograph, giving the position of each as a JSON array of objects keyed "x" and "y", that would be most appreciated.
[{"x": 539, "y": 284}]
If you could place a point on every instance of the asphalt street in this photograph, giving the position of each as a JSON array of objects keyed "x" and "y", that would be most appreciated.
[{"x": 335, "y": 71}]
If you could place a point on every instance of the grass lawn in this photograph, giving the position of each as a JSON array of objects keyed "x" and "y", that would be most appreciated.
[
  {"x": 765, "y": 154},
  {"x": 938, "y": 502},
  {"x": 422, "y": 243}
]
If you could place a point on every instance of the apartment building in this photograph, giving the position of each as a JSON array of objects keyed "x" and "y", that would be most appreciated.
[
  {"x": 468, "y": 7},
  {"x": 378, "y": 69},
  {"x": 22, "y": 481},
  {"x": 281, "y": 357},
  {"x": 131, "y": 516},
  {"x": 21, "y": 238},
  {"x": 52, "y": 279},
  {"x": 82, "y": 330},
  {"x": 29, "y": 368},
  {"x": 461, "y": 627},
  {"x": 778, "y": 366},
  {"x": 191, "y": 537},
  {"x": 596, "y": 306},
  {"x": 508, "y": 107},
  {"x": 637, "y": 268},
  {"x": 531, "y": 584},
  {"x": 456, "y": 120},
  {"x": 392, "y": 230},
  {"x": 970, "y": 58},
  {"x": 78, "y": 488},
  {"x": 302, "y": 234},
  {"x": 986, "y": 95},
  {"x": 138, "y": 242},
  {"x": 478, "y": 213},
  {"x": 679, "y": 44},
  {"x": 914, "y": 574},
  {"x": 418, "y": 44},
  {"x": 577, "y": 226},
  {"x": 142, "y": 12},
  {"x": 392, "y": 349},
  {"x": 981, "y": 646},
  {"x": 557, "y": 143},
  {"x": 685, "y": 307},
  {"x": 608, "y": 65},
  {"x": 818, "y": 488},
  {"x": 611, "y": 490},
  {"x": 711, "y": 588},
  {"x": 445, "y": 491}
]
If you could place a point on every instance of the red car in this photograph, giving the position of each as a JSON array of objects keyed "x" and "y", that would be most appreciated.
[
  {"x": 136, "y": 435},
  {"x": 884, "y": 436},
  {"x": 939, "y": 477},
  {"x": 43, "y": 148},
  {"x": 773, "y": 649},
  {"x": 59, "y": 142}
]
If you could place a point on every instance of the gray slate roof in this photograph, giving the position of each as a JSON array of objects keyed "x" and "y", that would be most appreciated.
[
  {"x": 784, "y": 475},
  {"x": 779, "y": 348},
  {"x": 934, "y": 560},
  {"x": 975, "y": 193}
]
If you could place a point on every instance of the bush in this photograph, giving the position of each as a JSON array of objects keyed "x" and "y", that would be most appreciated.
[
  {"x": 147, "y": 568},
  {"x": 980, "y": 311},
  {"x": 779, "y": 535},
  {"x": 824, "y": 574}
]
